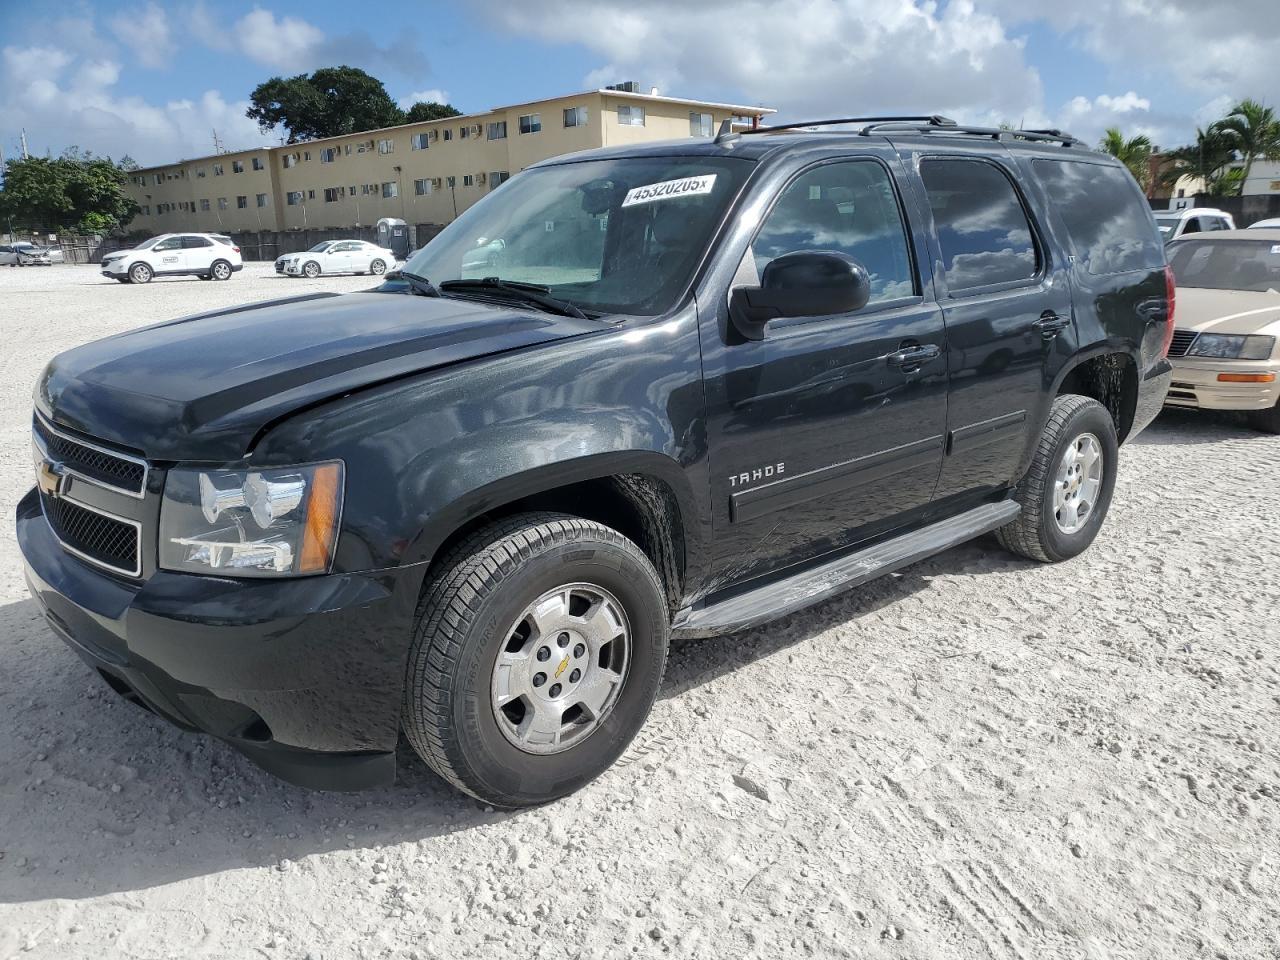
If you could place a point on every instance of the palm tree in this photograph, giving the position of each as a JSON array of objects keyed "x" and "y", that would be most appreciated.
[
  {"x": 1135, "y": 153},
  {"x": 1253, "y": 131},
  {"x": 1203, "y": 160}
]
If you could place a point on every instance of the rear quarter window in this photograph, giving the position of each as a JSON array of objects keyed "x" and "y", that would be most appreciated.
[{"x": 1105, "y": 214}]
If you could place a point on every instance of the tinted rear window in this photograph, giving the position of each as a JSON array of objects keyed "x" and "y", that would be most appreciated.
[
  {"x": 1105, "y": 214},
  {"x": 982, "y": 228}
]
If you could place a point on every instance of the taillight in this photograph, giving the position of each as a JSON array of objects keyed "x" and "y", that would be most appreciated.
[
  {"x": 236, "y": 249},
  {"x": 1171, "y": 294}
]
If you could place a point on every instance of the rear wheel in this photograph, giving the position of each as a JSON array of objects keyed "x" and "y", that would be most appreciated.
[
  {"x": 1067, "y": 492},
  {"x": 539, "y": 647},
  {"x": 221, "y": 270},
  {"x": 311, "y": 269},
  {"x": 1268, "y": 420},
  {"x": 377, "y": 268},
  {"x": 140, "y": 273}
]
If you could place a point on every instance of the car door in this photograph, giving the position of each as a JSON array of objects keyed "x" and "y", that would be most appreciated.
[
  {"x": 1007, "y": 304},
  {"x": 831, "y": 427},
  {"x": 7, "y": 256},
  {"x": 198, "y": 252},
  {"x": 338, "y": 257},
  {"x": 167, "y": 256}
]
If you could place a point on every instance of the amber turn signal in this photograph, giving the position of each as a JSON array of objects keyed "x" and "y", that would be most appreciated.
[
  {"x": 322, "y": 519},
  {"x": 1246, "y": 378}
]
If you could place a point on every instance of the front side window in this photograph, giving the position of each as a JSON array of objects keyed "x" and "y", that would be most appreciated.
[
  {"x": 531, "y": 123},
  {"x": 983, "y": 230},
  {"x": 848, "y": 207},
  {"x": 700, "y": 125},
  {"x": 621, "y": 235},
  {"x": 575, "y": 116},
  {"x": 1105, "y": 213},
  {"x": 629, "y": 116}
]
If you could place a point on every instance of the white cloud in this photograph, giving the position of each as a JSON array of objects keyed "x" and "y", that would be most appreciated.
[
  {"x": 284, "y": 44},
  {"x": 145, "y": 31},
  {"x": 423, "y": 96}
]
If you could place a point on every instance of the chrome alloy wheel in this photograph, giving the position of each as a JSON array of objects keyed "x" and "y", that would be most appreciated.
[
  {"x": 561, "y": 668},
  {"x": 1077, "y": 483}
]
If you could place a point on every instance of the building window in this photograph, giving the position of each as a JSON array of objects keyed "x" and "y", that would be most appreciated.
[
  {"x": 160, "y": 178},
  {"x": 288, "y": 160},
  {"x": 497, "y": 178},
  {"x": 353, "y": 190},
  {"x": 531, "y": 123},
  {"x": 422, "y": 188},
  {"x": 306, "y": 155},
  {"x": 328, "y": 155},
  {"x": 257, "y": 163},
  {"x": 331, "y": 194},
  {"x": 463, "y": 133},
  {"x": 452, "y": 181},
  {"x": 468, "y": 180},
  {"x": 448, "y": 134},
  {"x": 204, "y": 206},
  {"x": 242, "y": 202},
  {"x": 222, "y": 203},
  {"x": 497, "y": 130},
  {"x": 200, "y": 174},
  {"x": 262, "y": 199},
  {"x": 418, "y": 141},
  {"x": 386, "y": 146},
  {"x": 293, "y": 197},
  {"x": 575, "y": 116},
  {"x": 146, "y": 209},
  {"x": 217, "y": 169},
  {"x": 630, "y": 116},
  {"x": 700, "y": 124},
  {"x": 390, "y": 189},
  {"x": 237, "y": 166}
]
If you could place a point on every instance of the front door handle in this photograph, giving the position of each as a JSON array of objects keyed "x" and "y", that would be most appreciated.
[
  {"x": 914, "y": 356},
  {"x": 1051, "y": 324}
]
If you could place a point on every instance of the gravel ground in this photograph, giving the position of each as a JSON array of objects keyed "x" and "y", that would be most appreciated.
[{"x": 977, "y": 757}]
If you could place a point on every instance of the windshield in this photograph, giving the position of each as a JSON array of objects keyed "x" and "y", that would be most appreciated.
[
  {"x": 147, "y": 244},
  {"x": 608, "y": 236},
  {"x": 1226, "y": 264},
  {"x": 322, "y": 245},
  {"x": 1167, "y": 225}
]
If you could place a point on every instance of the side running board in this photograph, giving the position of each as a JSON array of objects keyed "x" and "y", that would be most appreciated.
[{"x": 815, "y": 584}]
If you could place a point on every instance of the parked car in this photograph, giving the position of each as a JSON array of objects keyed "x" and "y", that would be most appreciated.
[
  {"x": 209, "y": 256},
  {"x": 337, "y": 256},
  {"x": 1226, "y": 348},
  {"x": 24, "y": 254},
  {"x": 1272, "y": 224},
  {"x": 717, "y": 381},
  {"x": 1176, "y": 223}
]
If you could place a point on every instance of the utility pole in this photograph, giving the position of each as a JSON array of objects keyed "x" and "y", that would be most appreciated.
[
  {"x": 217, "y": 143},
  {"x": 24, "y": 143}
]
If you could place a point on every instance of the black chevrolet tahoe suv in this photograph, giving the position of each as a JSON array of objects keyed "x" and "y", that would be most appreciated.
[{"x": 635, "y": 394}]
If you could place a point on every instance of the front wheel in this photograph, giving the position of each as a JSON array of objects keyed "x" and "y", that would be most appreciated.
[
  {"x": 538, "y": 652},
  {"x": 312, "y": 269},
  {"x": 1067, "y": 492},
  {"x": 377, "y": 268},
  {"x": 140, "y": 273}
]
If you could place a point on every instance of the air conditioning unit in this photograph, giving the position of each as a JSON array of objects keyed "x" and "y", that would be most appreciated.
[
  {"x": 475, "y": 129},
  {"x": 436, "y": 183},
  {"x": 480, "y": 177},
  {"x": 433, "y": 135}
]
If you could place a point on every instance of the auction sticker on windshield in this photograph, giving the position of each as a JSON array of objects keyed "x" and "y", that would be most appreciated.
[{"x": 670, "y": 190}]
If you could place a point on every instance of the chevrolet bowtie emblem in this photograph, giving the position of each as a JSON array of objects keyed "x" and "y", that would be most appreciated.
[{"x": 50, "y": 478}]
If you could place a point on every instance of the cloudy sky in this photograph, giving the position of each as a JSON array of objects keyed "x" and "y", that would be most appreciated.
[{"x": 156, "y": 83}]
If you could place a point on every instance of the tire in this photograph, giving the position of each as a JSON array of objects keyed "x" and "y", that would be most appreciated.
[
  {"x": 473, "y": 609},
  {"x": 141, "y": 273},
  {"x": 220, "y": 270},
  {"x": 1268, "y": 421},
  {"x": 1042, "y": 532},
  {"x": 377, "y": 267},
  {"x": 311, "y": 269}
]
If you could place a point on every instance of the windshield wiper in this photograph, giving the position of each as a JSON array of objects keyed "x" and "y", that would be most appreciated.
[
  {"x": 418, "y": 284},
  {"x": 533, "y": 293}
]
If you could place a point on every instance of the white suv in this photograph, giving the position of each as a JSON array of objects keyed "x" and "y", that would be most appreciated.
[{"x": 205, "y": 255}]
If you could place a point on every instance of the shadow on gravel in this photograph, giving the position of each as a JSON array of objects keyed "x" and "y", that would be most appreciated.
[
  {"x": 1176, "y": 428},
  {"x": 98, "y": 796}
]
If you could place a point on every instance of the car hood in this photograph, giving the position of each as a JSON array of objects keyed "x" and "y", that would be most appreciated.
[
  {"x": 205, "y": 387},
  {"x": 1227, "y": 311}
]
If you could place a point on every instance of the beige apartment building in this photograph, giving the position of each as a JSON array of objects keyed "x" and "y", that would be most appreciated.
[{"x": 419, "y": 172}]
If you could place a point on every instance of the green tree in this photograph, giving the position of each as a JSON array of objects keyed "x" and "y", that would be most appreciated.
[
  {"x": 330, "y": 102},
  {"x": 77, "y": 191},
  {"x": 1135, "y": 153},
  {"x": 1253, "y": 131},
  {"x": 430, "y": 110},
  {"x": 1203, "y": 160}
]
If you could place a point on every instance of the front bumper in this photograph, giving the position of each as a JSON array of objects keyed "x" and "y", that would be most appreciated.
[
  {"x": 303, "y": 676},
  {"x": 1196, "y": 385},
  {"x": 115, "y": 268}
]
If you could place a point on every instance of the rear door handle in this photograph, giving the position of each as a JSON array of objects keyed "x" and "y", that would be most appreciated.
[
  {"x": 1051, "y": 324},
  {"x": 911, "y": 357}
]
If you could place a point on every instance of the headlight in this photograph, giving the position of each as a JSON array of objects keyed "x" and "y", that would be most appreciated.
[
  {"x": 258, "y": 523},
  {"x": 1232, "y": 347}
]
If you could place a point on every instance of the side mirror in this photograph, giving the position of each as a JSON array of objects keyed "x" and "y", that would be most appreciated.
[{"x": 807, "y": 283}]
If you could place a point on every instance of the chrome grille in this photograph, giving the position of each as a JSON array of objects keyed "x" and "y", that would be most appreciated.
[
  {"x": 1181, "y": 343},
  {"x": 106, "y": 540},
  {"x": 93, "y": 463}
]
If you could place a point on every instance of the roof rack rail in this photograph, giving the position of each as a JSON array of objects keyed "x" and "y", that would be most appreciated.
[{"x": 934, "y": 123}]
